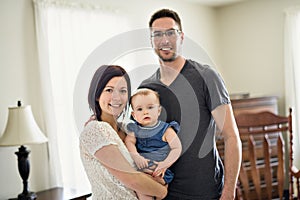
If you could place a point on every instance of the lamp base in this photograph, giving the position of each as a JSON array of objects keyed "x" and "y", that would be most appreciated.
[
  {"x": 24, "y": 168},
  {"x": 28, "y": 196}
]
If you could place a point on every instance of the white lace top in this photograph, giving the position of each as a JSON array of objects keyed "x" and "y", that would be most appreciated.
[{"x": 96, "y": 135}]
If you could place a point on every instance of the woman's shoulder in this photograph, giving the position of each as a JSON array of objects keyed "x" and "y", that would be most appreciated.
[
  {"x": 96, "y": 123},
  {"x": 95, "y": 127},
  {"x": 97, "y": 134}
]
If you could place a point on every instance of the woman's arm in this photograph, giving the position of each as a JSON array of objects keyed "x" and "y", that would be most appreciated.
[
  {"x": 172, "y": 139},
  {"x": 118, "y": 166}
]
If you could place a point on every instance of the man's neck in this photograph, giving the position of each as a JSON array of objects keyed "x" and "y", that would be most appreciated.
[{"x": 170, "y": 70}]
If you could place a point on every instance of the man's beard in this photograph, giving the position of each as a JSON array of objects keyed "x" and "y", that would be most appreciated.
[{"x": 168, "y": 59}]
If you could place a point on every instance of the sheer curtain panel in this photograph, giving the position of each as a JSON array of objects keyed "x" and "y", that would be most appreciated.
[
  {"x": 292, "y": 72},
  {"x": 67, "y": 32}
]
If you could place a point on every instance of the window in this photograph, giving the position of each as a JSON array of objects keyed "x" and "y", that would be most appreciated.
[
  {"x": 67, "y": 32},
  {"x": 292, "y": 72}
]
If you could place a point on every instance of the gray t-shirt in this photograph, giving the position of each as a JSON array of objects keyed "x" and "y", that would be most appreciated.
[{"x": 189, "y": 100}]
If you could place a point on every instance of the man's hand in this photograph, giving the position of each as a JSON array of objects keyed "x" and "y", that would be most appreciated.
[{"x": 227, "y": 195}]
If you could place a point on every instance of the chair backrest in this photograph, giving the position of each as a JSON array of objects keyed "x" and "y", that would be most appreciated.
[{"x": 262, "y": 170}]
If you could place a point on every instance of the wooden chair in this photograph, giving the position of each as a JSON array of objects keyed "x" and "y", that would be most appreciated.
[
  {"x": 262, "y": 172},
  {"x": 295, "y": 174}
]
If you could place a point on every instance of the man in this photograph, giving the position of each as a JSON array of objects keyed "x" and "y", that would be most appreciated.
[{"x": 195, "y": 96}]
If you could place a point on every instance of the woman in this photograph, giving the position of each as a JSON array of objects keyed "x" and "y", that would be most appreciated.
[{"x": 105, "y": 158}]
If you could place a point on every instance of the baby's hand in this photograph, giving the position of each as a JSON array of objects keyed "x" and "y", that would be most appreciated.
[
  {"x": 140, "y": 161},
  {"x": 159, "y": 170}
]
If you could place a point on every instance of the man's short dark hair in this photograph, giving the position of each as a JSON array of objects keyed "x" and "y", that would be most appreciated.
[{"x": 166, "y": 13}]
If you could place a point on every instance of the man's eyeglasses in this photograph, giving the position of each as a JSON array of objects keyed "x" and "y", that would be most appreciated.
[{"x": 172, "y": 33}]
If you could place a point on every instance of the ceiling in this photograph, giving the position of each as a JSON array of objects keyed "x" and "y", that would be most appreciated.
[{"x": 215, "y": 3}]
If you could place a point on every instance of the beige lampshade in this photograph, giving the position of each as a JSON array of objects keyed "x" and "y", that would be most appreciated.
[{"x": 21, "y": 128}]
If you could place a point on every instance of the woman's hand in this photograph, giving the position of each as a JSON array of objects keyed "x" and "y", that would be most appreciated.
[
  {"x": 92, "y": 118},
  {"x": 160, "y": 180}
]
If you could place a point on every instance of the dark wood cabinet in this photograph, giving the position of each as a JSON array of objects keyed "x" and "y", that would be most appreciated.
[
  {"x": 59, "y": 193},
  {"x": 62, "y": 194},
  {"x": 255, "y": 104}
]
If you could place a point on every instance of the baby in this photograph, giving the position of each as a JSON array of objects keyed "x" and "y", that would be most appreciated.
[{"x": 153, "y": 144}]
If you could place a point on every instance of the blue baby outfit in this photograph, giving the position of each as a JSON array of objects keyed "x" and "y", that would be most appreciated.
[{"x": 150, "y": 145}]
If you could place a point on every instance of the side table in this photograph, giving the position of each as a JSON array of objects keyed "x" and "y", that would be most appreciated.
[{"x": 59, "y": 193}]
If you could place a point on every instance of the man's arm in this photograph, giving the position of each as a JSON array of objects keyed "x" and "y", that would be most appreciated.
[{"x": 225, "y": 121}]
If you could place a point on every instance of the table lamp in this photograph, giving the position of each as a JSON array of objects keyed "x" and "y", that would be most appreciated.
[{"x": 21, "y": 129}]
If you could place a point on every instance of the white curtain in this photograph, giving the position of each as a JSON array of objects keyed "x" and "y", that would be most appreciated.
[
  {"x": 292, "y": 73},
  {"x": 67, "y": 32}
]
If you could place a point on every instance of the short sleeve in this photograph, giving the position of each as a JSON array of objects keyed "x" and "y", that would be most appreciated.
[
  {"x": 175, "y": 126},
  {"x": 218, "y": 93},
  {"x": 97, "y": 135},
  {"x": 131, "y": 127}
]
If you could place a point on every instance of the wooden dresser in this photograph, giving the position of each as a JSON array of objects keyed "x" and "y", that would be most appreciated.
[{"x": 255, "y": 104}]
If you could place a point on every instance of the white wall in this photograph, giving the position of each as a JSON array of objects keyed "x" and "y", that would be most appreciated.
[
  {"x": 251, "y": 42},
  {"x": 18, "y": 81}
]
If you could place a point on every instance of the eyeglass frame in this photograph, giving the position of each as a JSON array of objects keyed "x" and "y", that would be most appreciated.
[{"x": 176, "y": 31}]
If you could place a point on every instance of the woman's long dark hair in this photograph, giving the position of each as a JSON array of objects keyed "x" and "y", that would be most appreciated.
[{"x": 101, "y": 77}]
